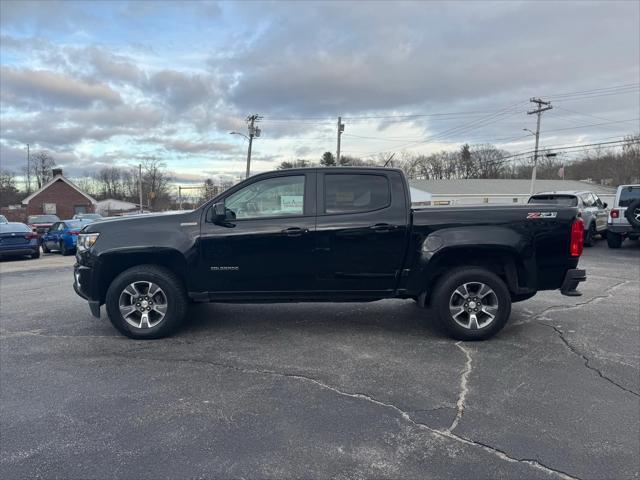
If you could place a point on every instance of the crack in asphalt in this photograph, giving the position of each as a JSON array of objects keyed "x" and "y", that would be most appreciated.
[
  {"x": 464, "y": 389},
  {"x": 608, "y": 293},
  {"x": 363, "y": 396},
  {"x": 586, "y": 360}
]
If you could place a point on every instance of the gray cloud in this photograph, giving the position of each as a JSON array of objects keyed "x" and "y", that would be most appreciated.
[
  {"x": 44, "y": 89},
  {"x": 330, "y": 59}
]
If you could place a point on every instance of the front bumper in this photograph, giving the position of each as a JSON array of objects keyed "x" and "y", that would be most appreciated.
[
  {"x": 82, "y": 277},
  {"x": 571, "y": 280}
]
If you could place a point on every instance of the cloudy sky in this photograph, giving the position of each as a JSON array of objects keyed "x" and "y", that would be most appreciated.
[{"x": 110, "y": 83}]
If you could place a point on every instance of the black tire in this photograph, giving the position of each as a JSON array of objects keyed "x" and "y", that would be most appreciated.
[
  {"x": 632, "y": 212},
  {"x": 63, "y": 249},
  {"x": 171, "y": 286},
  {"x": 36, "y": 254},
  {"x": 614, "y": 240},
  {"x": 444, "y": 292},
  {"x": 590, "y": 235},
  {"x": 45, "y": 249}
]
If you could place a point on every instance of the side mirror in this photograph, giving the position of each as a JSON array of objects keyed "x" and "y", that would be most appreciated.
[
  {"x": 604, "y": 205},
  {"x": 217, "y": 213}
]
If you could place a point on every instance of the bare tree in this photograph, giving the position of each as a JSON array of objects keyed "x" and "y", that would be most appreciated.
[
  {"x": 42, "y": 164},
  {"x": 9, "y": 194}
]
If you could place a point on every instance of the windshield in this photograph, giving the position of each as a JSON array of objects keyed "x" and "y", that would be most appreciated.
[
  {"x": 13, "y": 227},
  {"x": 628, "y": 195},
  {"x": 564, "y": 200},
  {"x": 43, "y": 219},
  {"x": 89, "y": 216}
]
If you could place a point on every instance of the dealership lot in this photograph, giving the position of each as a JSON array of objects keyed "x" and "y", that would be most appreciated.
[{"x": 322, "y": 390}]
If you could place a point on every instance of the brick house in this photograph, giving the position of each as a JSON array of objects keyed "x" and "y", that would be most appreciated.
[{"x": 59, "y": 197}]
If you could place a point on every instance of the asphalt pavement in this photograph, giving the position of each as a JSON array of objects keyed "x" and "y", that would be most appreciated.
[{"x": 322, "y": 390}]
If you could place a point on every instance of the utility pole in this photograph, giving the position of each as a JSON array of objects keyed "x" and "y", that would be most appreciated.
[
  {"x": 253, "y": 132},
  {"x": 140, "y": 185},
  {"x": 340, "y": 130},
  {"x": 179, "y": 197},
  {"x": 28, "y": 170},
  {"x": 542, "y": 106}
]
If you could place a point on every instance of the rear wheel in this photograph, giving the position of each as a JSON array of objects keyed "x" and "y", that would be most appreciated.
[
  {"x": 614, "y": 240},
  {"x": 45, "y": 249},
  {"x": 63, "y": 249},
  {"x": 590, "y": 235},
  {"x": 472, "y": 303},
  {"x": 146, "y": 302}
]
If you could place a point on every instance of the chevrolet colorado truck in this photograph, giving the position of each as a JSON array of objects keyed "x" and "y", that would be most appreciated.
[{"x": 328, "y": 235}]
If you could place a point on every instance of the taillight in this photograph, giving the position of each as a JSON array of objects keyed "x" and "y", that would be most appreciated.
[
  {"x": 615, "y": 213},
  {"x": 74, "y": 232},
  {"x": 31, "y": 236},
  {"x": 577, "y": 238}
]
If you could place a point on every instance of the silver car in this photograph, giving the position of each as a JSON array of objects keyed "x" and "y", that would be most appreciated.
[
  {"x": 592, "y": 210},
  {"x": 624, "y": 218}
]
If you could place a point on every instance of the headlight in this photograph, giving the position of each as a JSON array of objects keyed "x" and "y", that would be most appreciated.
[{"x": 86, "y": 241}]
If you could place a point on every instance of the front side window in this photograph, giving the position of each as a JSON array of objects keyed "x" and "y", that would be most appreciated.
[
  {"x": 273, "y": 197},
  {"x": 345, "y": 193}
]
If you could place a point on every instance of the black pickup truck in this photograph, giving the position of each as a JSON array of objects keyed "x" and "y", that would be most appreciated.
[{"x": 328, "y": 234}]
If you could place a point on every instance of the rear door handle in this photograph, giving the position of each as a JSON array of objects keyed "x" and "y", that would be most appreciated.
[
  {"x": 294, "y": 231},
  {"x": 382, "y": 227}
]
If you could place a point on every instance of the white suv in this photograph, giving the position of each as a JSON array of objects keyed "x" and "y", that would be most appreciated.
[{"x": 624, "y": 217}]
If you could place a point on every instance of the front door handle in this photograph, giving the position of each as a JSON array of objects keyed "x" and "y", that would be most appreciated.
[
  {"x": 382, "y": 227},
  {"x": 294, "y": 231}
]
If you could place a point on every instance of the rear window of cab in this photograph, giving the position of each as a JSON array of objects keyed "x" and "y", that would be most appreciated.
[
  {"x": 628, "y": 195},
  {"x": 562, "y": 200}
]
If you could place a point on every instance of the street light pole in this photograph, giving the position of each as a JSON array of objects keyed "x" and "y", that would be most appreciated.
[{"x": 253, "y": 132}]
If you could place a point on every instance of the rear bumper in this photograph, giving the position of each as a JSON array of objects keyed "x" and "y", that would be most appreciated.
[
  {"x": 18, "y": 250},
  {"x": 571, "y": 280},
  {"x": 622, "y": 229}
]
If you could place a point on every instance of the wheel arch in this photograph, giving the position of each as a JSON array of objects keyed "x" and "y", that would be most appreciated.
[
  {"x": 115, "y": 262},
  {"x": 504, "y": 261}
]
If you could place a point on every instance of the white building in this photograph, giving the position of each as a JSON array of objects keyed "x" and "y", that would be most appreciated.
[{"x": 475, "y": 191}]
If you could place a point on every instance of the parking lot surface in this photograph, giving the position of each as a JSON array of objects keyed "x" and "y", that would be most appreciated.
[{"x": 322, "y": 390}]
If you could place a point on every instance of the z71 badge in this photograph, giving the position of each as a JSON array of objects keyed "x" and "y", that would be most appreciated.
[{"x": 542, "y": 215}]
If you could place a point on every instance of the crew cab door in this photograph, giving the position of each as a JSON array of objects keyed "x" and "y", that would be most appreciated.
[
  {"x": 265, "y": 244},
  {"x": 361, "y": 231},
  {"x": 50, "y": 239}
]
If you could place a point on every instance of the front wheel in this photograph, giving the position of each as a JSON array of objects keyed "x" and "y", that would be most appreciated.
[
  {"x": 472, "y": 303},
  {"x": 146, "y": 301}
]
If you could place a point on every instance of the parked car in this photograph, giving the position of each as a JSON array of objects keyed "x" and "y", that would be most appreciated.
[
  {"x": 87, "y": 216},
  {"x": 18, "y": 239},
  {"x": 3, "y": 219},
  {"x": 63, "y": 236},
  {"x": 624, "y": 217},
  {"x": 328, "y": 234},
  {"x": 41, "y": 223},
  {"x": 592, "y": 210}
]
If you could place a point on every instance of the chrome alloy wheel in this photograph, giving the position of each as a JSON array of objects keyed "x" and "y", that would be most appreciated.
[
  {"x": 143, "y": 304},
  {"x": 473, "y": 305},
  {"x": 636, "y": 214}
]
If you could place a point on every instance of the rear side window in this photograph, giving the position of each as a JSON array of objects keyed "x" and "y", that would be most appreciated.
[
  {"x": 562, "y": 200},
  {"x": 628, "y": 195},
  {"x": 344, "y": 193}
]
